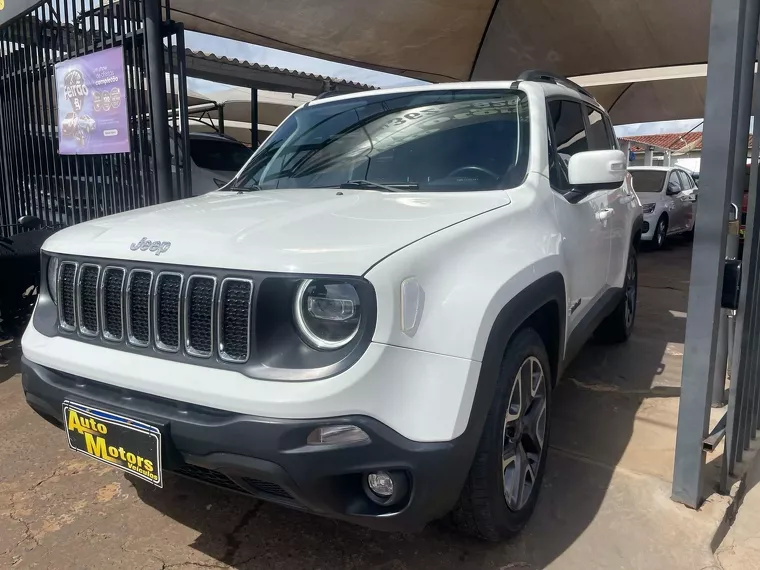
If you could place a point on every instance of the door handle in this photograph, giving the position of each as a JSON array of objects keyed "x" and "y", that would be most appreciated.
[{"x": 604, "y": 214}]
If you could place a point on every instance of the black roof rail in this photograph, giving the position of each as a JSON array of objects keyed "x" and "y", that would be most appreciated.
[{"x": 549, "y": 77}]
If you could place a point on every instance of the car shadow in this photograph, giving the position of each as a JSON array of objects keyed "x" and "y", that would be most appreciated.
[
  {"x": 604, "y": 393},
  {"x": 10, "y": 359}
]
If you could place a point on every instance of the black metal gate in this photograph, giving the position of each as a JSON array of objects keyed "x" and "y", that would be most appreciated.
[{"x": 65, "y": 189}]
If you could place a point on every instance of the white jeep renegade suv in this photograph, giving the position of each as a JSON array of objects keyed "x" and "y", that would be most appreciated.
[{"x": 367, "y": 322}]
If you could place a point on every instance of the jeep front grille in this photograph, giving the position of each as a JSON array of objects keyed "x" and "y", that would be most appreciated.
[
  {"x": 199, "y": 311},
  {"x": 87, "y": 299},
  {"x": 235, "y": 319},
  {"x": 66, "y": 281},
  {"x": 138, "y": 307},
  {"x": 170, "y": 311},
  {"x": 111, "y": 302},
  {"x": 167, "y": 311}
]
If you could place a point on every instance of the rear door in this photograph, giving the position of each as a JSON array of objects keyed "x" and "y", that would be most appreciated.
[
  {"x": 601, "y": 136},
  {"x": 585, "y": 231}
]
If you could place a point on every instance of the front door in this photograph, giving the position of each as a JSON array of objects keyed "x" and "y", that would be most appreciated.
[
  {"x": 687, "y": 200},
  {"x": 674, "y": 203}
]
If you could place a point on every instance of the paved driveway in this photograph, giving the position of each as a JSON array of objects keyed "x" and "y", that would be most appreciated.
[{"x": 605, "y": 503}]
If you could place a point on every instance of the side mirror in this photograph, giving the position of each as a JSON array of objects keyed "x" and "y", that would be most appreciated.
[
  {"x": 671, "y": 192},
  {"x": 29, "y": 222},
  {"x": 597, "y": 170}
]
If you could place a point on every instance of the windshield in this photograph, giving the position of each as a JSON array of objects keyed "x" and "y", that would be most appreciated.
[
  {"x": 219, "y": 154},
  {"x": 454, "y": 140},
  {"x": 648, "y": 180}
]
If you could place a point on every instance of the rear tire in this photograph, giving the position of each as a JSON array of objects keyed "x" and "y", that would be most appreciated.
[
  {"x": 618, "y": 325},
  {"x": 502, "y": 487}
]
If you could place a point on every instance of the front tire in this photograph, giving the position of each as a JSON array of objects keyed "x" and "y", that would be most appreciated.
[
  {"x": 618, "y": 325},
  {"x": 660, "y": 233},
  {"x": 502, "y": 487}
]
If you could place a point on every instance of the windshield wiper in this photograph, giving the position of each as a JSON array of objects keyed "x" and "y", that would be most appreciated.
[{"x": 403, "y": 186}]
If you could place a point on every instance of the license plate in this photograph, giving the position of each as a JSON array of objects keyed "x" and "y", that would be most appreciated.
[{"x": 128, "y": 444}]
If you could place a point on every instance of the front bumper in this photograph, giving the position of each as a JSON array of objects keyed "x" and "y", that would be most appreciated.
[{"x": 269, "y": 458}]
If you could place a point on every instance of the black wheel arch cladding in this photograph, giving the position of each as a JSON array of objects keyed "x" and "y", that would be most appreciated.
[{"x": 547, "y": 290}]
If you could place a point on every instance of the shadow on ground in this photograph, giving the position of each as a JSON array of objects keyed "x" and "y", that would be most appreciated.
[
  {"x": 10, "y": 360},
  {"x": 604, "y": 417}
]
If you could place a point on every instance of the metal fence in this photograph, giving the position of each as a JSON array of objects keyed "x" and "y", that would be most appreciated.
[
  {"x": 35, "y": 179},
  {"x": 733, "y": 94}
]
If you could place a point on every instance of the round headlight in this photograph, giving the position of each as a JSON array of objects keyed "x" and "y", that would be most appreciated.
[
  {"x": 52, "y": 278},
  {"x": 327, "y": 313}
]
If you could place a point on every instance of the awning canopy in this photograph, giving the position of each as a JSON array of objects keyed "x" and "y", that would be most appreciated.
[
  {"x": 452, "y": 40},
  {"x": 667, "y": 100}
]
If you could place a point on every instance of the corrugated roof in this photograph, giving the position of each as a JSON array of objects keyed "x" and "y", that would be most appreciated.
[
  {"x": 675, "y": 142},
  {"x": 328, "y": 81}
]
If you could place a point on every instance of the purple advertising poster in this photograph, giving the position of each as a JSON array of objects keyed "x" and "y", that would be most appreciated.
[{"x": 92, "y": 104}]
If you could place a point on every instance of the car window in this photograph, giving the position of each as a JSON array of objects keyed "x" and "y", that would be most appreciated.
[
  {"x": 674, "y": 182},
  {"x": 598, "y": 137},
  {"x": 686, "y": 181},
  {"x": 430, "y": 141},
  {"x": 568, "y": 132},
  {"x": 648, "y": 180},
  {"x": 219, "y": 154}
]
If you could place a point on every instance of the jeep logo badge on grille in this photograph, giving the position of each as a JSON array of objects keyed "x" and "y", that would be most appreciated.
[{"x": 145, "y": 244}]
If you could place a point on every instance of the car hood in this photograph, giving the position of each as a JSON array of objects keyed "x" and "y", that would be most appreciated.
[{"x": 323, "y": 231}]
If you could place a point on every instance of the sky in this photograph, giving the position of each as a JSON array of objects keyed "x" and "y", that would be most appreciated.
[{"x": 278, "y": 58}]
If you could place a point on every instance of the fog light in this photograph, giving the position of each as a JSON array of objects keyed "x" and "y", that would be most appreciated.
[
  {"x": 381, "y": 483},
  {"x": 337, "y": 435},
  {"x": 386, "y": 488}
]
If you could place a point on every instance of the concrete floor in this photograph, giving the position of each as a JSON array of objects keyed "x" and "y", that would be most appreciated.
[{"x": 605, "y": 501}]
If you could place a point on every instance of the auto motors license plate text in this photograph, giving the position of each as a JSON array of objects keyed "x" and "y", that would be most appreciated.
[{"x": 125, "y": 443}]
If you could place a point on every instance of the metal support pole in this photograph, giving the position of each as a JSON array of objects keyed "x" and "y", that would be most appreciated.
[
  {"x": 721, "y": 362},
  {"x": 736, "y": 182},
  {"x": 725, "y": 64},
  {"x": 221, "y": 119},
  {"x": 745, "y": 358},
  {"x": 254, "y": 117},
  {"x": 648, "y": 154},
  {"x": 157, "y": 85}
]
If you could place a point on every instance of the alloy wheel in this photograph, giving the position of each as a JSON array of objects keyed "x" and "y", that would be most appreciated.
[{"x": 524, "y": 433}]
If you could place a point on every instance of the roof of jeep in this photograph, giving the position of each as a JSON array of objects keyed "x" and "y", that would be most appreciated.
[{"x": 550, "y": 89}]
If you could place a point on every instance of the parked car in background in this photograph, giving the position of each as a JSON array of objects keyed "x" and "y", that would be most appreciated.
[
  {"x": 668, "y": 196},
  {"x": 214, "y": 160}
]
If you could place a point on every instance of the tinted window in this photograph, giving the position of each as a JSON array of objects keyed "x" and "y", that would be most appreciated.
[
  {"x": 648, "y": 180},
  {"x": 433, "y": 141},
  {"x": 228, "y": 156},
  {"x": 598, "y": 136},
  {"x": 674, "y": 182},
  {"x": 566, "y": 123}
]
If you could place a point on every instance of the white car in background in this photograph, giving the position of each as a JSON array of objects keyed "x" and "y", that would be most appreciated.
[
  {"x": 668, "y": 195},
  {"x": 214, "y": 160}
]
